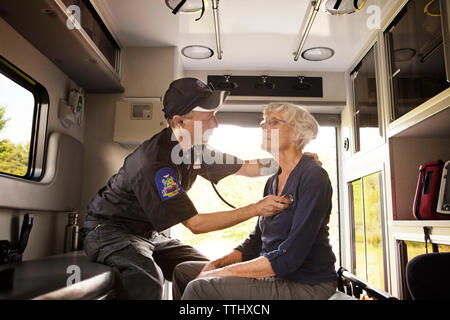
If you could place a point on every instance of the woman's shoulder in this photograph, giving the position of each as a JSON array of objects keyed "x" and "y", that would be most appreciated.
[{"x": 312, "y": 170}]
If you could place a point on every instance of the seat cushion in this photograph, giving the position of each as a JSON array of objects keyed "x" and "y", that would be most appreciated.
[{"x": 66, "y": 276}]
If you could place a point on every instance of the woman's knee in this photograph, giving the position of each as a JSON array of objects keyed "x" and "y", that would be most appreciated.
[
  {"x": 196, "y": 290},
  {"x": 187, "y": 271}
]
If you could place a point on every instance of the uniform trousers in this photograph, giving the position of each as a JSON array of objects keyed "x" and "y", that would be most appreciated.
[{"x": 140, "y": 264}]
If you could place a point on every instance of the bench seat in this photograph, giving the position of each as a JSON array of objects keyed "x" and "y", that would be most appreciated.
[{"x": 47, "y": 279}]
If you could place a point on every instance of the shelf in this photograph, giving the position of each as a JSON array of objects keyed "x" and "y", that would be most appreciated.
[
  {"x": 420, "y": 223},
  {"x": 44, "y": 25},
  {"x": 429, "y": 120}
]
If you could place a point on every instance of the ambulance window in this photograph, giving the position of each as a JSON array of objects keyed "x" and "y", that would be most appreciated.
[
  {"x": 365, "y": 114},
  {"x": 245, "y": 143},
  {"x": 367, "y": 232},
  {"x": 23, "y": 110}
]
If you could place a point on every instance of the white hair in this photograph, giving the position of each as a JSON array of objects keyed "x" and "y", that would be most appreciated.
[{"x": 304, "y": 125}]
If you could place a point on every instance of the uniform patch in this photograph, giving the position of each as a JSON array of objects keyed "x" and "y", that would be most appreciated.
[{"x": 167, "y": 184}]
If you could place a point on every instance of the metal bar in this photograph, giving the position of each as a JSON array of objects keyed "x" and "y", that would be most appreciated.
[
  {"x": 215, "y": 5},
  {"x": 312, "y": 17},
  {"x": 445, "y": 22},
  {"x": 370, "y": 290}
]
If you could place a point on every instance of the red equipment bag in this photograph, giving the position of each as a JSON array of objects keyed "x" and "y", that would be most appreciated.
[{"x": 427, "y": 192}]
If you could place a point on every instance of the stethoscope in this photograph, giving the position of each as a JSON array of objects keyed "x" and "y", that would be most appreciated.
[{"x": 288, "y": 196}]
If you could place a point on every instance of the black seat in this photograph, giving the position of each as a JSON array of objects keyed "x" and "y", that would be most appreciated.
[{"x": 54, "y": 278}]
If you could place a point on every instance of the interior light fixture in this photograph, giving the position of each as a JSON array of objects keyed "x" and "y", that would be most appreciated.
[
  {"x": 197, "y": 52},
  {"x": 404, "y": 54},
  {"x": 317, "y": 54},
  {"x": 339, "y": 7},
  {"x": 191, "y": 6}
]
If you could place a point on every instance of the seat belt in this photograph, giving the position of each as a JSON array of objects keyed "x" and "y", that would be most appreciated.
[{"x": 426, "y": 231}]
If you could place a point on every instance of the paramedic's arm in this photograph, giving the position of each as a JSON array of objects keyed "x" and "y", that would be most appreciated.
[
  {"x": 207, "y": 222},
  {"x": 265, "y": 167}
]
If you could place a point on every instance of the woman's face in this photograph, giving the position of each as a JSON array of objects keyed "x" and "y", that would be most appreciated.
[{"x": 277, "y": 134}]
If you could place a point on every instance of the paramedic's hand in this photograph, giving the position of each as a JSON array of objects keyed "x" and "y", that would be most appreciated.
[
  {"x": 314, "y": 156},
  {"x": 271, "y": 205}
]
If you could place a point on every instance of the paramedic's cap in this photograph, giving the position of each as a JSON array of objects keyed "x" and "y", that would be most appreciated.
[{"x": 190, "y": 94}]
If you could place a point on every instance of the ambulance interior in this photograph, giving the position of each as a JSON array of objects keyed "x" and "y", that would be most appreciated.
[{"x": 82, "y": 83}]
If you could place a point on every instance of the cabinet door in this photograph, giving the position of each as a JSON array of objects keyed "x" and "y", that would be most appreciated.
[{"x": 417, "y": 57}]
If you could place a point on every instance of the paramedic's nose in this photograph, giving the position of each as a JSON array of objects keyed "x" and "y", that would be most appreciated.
[{"x": 215, "y": 123}]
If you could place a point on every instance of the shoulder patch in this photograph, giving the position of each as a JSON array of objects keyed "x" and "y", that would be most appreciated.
[{"x": 167, "y": 184}]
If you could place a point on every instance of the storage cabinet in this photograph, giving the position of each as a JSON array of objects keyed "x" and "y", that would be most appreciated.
[{"x": 417, "y": 62}]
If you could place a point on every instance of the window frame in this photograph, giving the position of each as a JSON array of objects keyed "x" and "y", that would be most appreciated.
[
  {"x": 36, "y": 159},
  {"x": 382, "y": 229},
  {"x": 355, "y": 113}
]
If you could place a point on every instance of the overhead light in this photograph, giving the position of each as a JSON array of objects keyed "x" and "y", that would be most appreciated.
[
  {"x": 197, "y": 52},
  {"x": 191, "y": 6},
  {"x": 338, "y": 7},
  {"x": 264, "y": 84},
  {"x": 318, "y": 54},
  {"x": 227, "y": 84},
  {"x": 404, "y": 54},
  {"x": 301, "y": 85}
]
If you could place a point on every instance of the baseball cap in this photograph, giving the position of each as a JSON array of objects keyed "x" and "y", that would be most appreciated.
[{"x": 191, "y": 94}]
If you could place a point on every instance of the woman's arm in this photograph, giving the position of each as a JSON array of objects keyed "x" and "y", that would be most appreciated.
[
  {"x": 256, "y": 268},
  {"x": 234, "y": 257}
]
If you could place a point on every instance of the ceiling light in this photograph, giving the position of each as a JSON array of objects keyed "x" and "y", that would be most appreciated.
[
  {"x": 190, "y": 6},
  {"x": 338, "y": 7},
  {"x": 318, "y": 54},
  {"x": 404, "y": 54},
  {"x": 197, "y": 52}
]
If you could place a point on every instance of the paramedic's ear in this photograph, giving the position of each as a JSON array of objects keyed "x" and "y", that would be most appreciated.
[{"x": 177, "y": 121}]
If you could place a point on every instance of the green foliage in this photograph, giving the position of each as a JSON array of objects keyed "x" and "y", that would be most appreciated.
[
  {"x": 13, "y": 157},
  {"x": 3, "y": 120}
]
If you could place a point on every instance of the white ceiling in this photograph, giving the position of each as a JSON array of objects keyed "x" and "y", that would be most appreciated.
[{"x": 255, "y": 35}]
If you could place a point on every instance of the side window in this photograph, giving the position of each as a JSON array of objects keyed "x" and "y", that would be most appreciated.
[
  {"x": 23, "y": 123},
  {"x": 367, "y": 230},
  {"x": 366, "y": 114}
]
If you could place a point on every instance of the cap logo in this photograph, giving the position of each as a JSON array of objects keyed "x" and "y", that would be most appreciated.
[{"x": 200, "y": 85}]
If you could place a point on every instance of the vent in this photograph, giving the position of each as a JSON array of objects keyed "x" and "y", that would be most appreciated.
[{"x": 268, "y": 86}]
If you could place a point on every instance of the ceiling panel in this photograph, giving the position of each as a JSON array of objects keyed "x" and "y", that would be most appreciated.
[{"x": 255, "y": 35}]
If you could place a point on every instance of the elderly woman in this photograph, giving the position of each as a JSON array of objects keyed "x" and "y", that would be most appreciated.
[{"x": 287, "y": 256}]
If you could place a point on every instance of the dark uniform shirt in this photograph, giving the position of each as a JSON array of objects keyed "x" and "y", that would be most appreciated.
[
  {"x": 296, "y": 240},
  {"x": 148, "y": 193}
]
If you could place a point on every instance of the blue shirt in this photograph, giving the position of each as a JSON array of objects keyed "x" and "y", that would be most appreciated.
[{"x": 296, "y": 241}]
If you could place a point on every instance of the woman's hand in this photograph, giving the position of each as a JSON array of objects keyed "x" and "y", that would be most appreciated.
[{"x": 271, "y": 205}]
